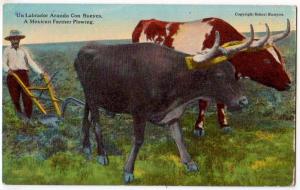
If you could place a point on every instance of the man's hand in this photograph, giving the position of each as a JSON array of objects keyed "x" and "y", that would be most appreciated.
[{"x": 9, "y": 72}]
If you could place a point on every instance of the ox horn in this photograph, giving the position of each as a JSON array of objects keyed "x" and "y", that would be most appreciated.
[
  {"x": 261, "y": 42},
  {"x": 231, "y": 50},
  {"x": 206, "y": 55},
  {"x": 282, "y": 35}
]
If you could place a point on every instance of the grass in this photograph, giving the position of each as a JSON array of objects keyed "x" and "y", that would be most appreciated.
[{"x": 254, "y": 155}]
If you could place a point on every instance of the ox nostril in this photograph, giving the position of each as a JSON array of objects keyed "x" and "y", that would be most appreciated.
[{"x": 243, "y": 101}]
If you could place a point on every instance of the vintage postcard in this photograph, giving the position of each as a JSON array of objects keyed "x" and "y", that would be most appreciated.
[{"x": 133, "y": 94}]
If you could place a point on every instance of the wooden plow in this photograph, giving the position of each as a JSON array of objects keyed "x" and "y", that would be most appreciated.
[
  {"x": 47, "y": 87},
  {"x": 57, "y": 107}
]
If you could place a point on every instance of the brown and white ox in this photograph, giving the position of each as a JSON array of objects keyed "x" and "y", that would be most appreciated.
[{"x": 264, "y": 64}]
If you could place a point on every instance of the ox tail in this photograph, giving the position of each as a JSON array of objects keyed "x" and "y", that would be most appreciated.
[
  {"x": 83, "y": 62},
  {"x": 78, "y": 65},
  {"x": 80, "y": 61}
]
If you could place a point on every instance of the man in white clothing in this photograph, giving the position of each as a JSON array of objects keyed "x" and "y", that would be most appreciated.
[{"x": 17, "y": 60}]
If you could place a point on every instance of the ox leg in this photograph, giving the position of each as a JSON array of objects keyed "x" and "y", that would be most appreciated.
[
  {"x": 176, "y": 134},
  {"x": 102, "y": 155},
  {"x": 138, "y": 140},
  {"x": 86, "y": 133},
  {"x": 199, "y": 126},
  {"x": 223, "y": 123}
]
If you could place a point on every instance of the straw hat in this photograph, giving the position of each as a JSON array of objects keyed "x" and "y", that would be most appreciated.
[{"x": 14, "y": 34}]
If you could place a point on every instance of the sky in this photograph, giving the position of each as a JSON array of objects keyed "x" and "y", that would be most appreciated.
[{"x": 118, "y": 21}]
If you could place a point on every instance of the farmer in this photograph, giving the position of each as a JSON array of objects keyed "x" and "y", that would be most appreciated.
[{"x": 16, "y": 60}]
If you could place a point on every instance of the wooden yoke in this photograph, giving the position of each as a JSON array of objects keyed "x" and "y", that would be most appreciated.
[{"x": 219, "y": 59}]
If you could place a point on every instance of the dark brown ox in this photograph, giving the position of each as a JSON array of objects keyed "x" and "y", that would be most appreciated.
[
  {"x": 152, "y": 83},
  {"x": 263, "y": 64}
]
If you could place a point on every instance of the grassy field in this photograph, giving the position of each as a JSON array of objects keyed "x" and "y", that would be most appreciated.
[
  {"x": 253, "y": 155},
  {"x": 260, "y": 151}
]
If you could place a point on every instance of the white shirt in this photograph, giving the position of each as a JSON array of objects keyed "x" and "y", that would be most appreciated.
[{"x": 18, "y": 60}]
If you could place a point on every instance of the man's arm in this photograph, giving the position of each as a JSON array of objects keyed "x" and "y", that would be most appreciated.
[
  {"x": 5, "y": 61},
  {"x": 32, "y": 63}
]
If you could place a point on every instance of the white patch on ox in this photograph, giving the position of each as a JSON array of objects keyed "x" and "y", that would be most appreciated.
[
  {"x": 156, "y": 37},
  {"x": 143, "y": 36},
  {"x": 190, "y": 36},
  {"x": 274, "y": 54},
  {"x": 168, "y": 28}
]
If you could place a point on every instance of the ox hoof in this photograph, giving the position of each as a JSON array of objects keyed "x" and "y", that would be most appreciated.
[
  {"x": 128, "y": 177},
  {"x": 199, "y": 132},
  {"x": 192, "y": 167},
  {"x": 87, "y": 152},
  {"x": 102, "y": 159},
  {"x": 227, "y": 130}
]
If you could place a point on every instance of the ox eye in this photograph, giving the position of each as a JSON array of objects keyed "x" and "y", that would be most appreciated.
[{"x": 267, "y": 61}]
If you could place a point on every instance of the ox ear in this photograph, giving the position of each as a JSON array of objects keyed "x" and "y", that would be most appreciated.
[{"x": 208, "y": 54}]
